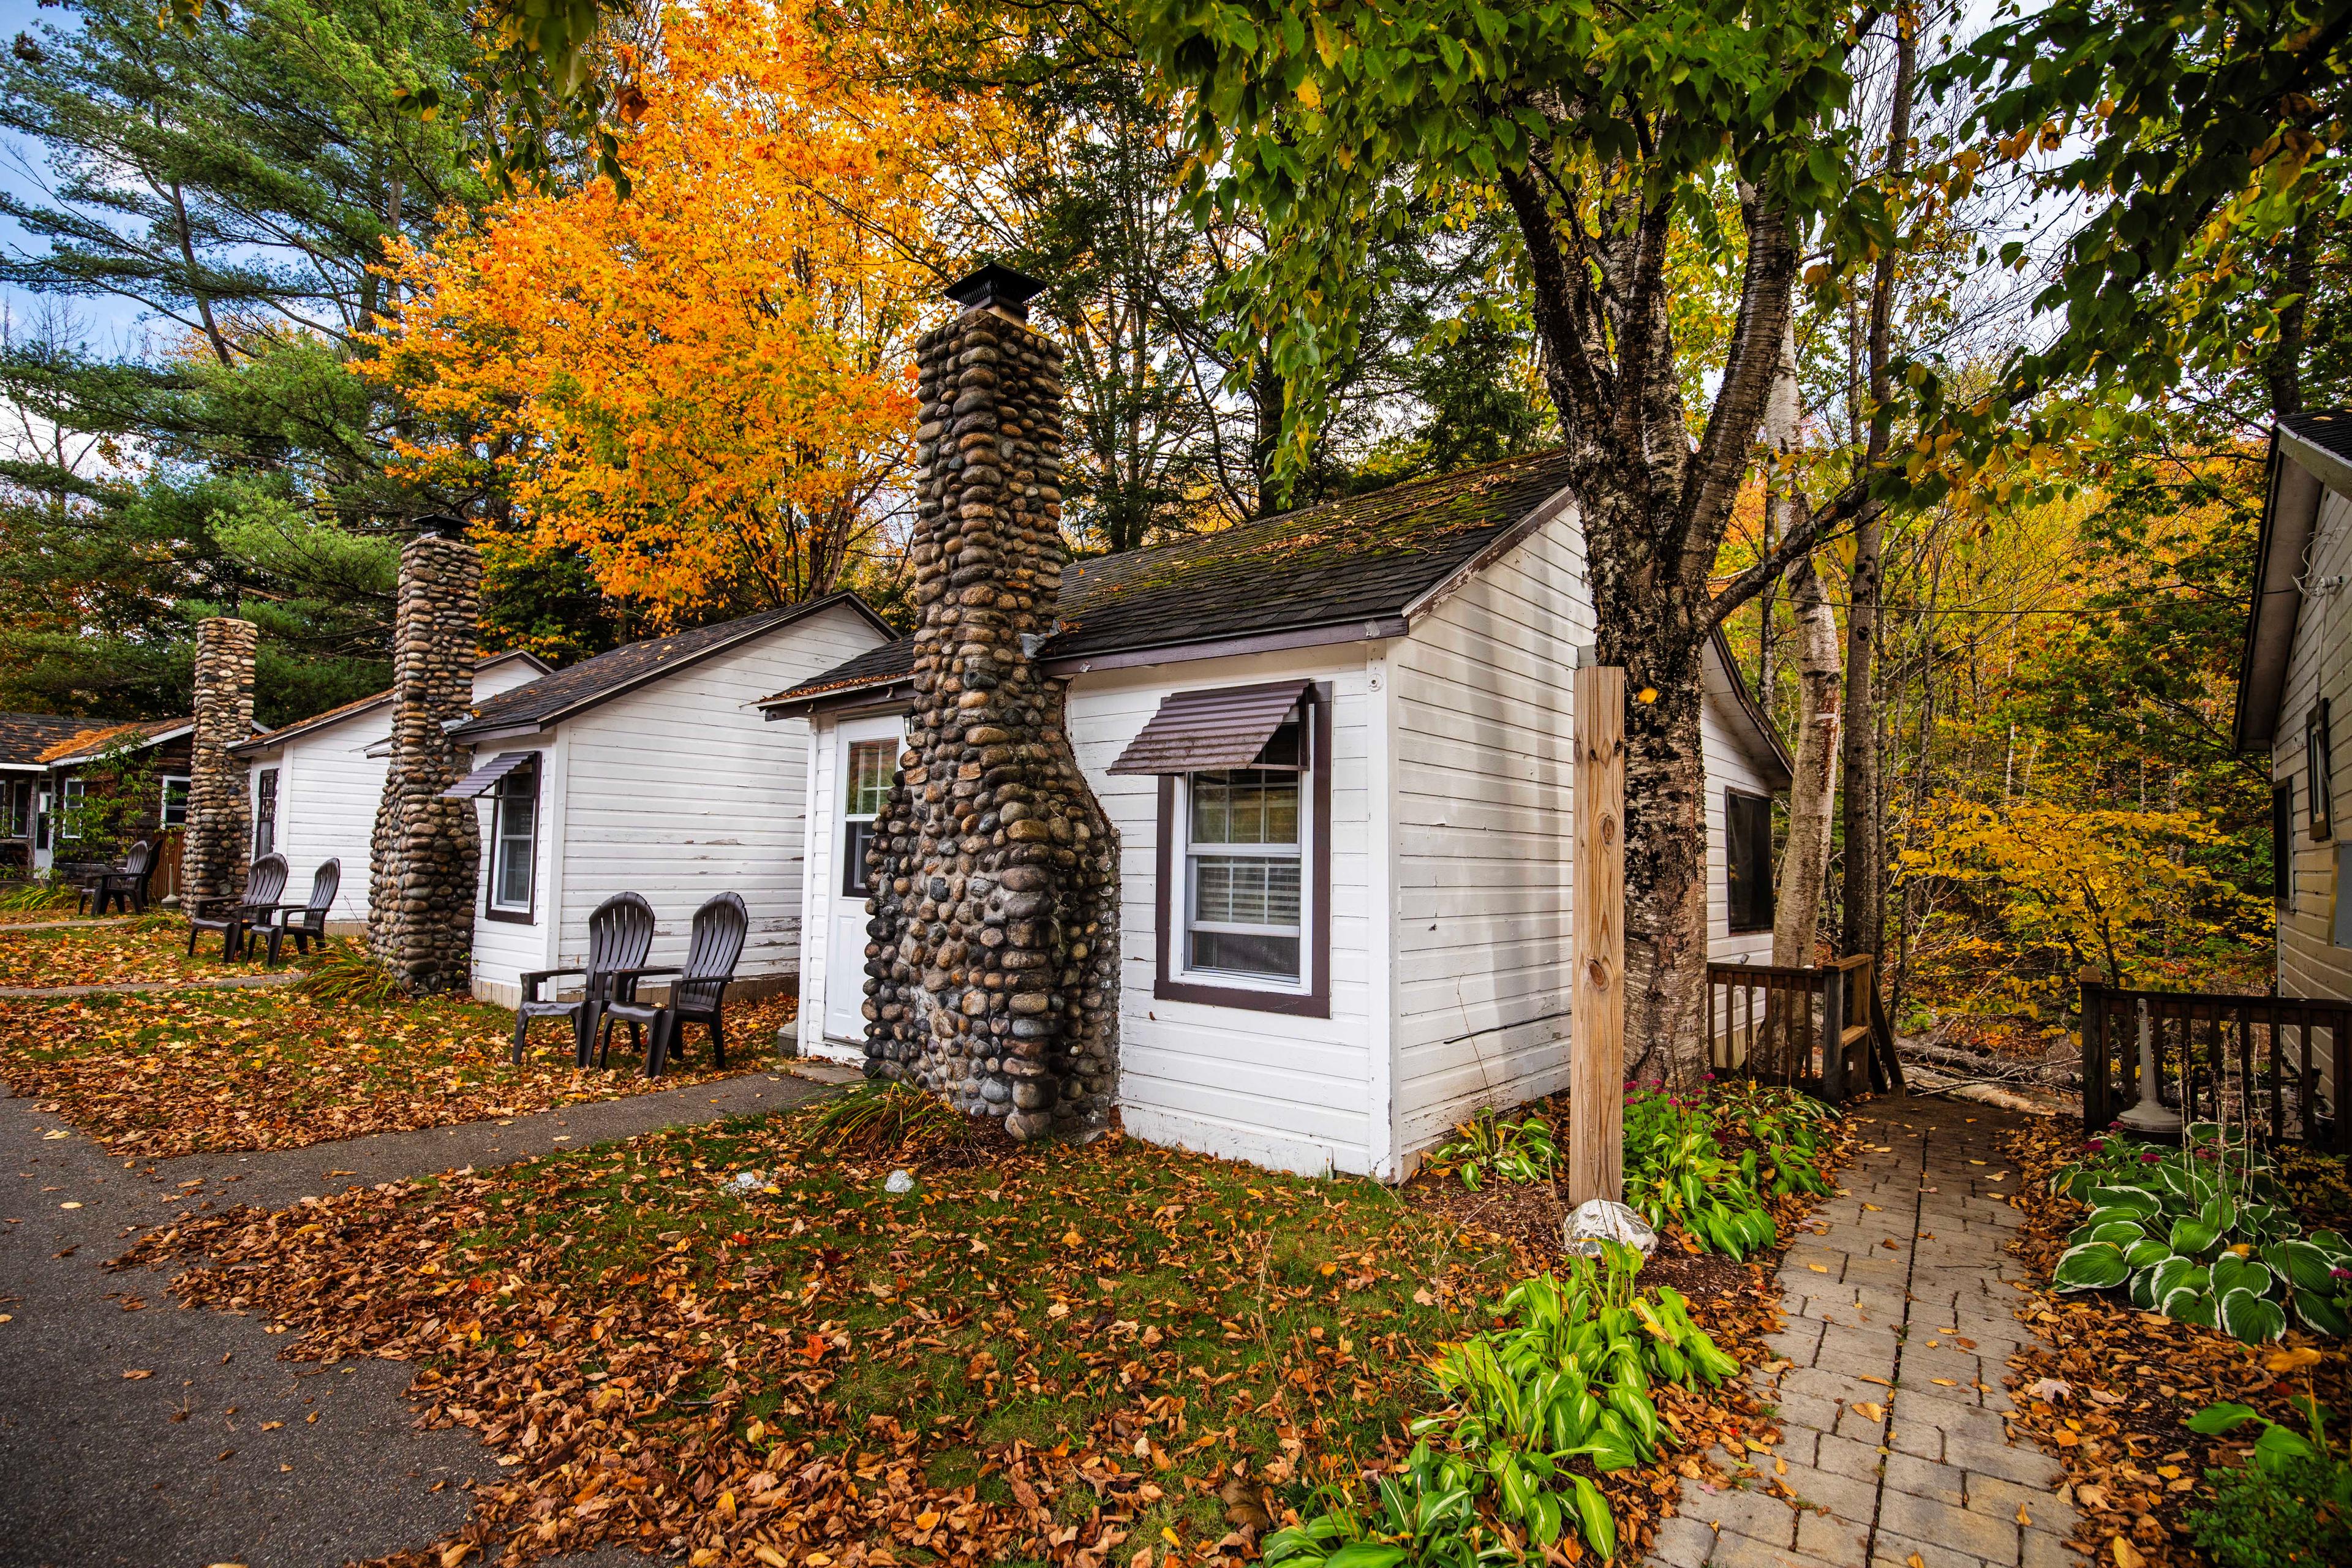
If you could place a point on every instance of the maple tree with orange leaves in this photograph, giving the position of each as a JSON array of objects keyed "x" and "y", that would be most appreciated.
[{"x": 702, "y": 386}]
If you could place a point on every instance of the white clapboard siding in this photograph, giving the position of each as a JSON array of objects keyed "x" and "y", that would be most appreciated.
[
  {"x": 328, "y": 789},
  {"x": 677, "y": 791},
  {"x": 2319, "y": 663},
  {"x": 1482, "y": 763},
  {"x": 1288, "y": 1093},
  {"x": 1728, "y": 767}
]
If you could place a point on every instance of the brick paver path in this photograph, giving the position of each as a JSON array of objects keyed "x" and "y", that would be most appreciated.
[{"x": 1900, "y": 1303}]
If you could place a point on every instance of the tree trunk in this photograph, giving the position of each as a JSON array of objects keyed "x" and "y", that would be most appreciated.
[
  {"x": 2283, "y": 368},
  {"x": 1805, "y": 862},
  {"x": 1864, "y": 880},
  {"x": 1665, "y": 853}
]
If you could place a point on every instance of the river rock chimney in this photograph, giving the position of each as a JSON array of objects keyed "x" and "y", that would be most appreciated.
[
  {"x": 220, "y": 812},
  {"x": 426, "y": 851},
  {"x": 992, "y": 976}
]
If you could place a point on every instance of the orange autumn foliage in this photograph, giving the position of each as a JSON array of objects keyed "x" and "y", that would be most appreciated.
[{"x": 704, "y": 387}]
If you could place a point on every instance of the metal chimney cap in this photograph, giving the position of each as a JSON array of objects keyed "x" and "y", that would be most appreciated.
[
  {"x": 999, "y": 287},
  {"x": 441, "y": 526}
]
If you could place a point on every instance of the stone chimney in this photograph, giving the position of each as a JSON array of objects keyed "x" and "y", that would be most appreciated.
[
  {"x": 427, "y": 851},
  {"x": 992, "y": 976},
  {"x": 220, "y": 812}
]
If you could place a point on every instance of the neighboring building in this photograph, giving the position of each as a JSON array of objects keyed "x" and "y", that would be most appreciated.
[
  {"x": 2294, "y": 696},
  {"x": 648, "y": 770},
  {"x": 316, "y": 783},
  {"x": 70, "y": 768},
  {"x": 24, "y": 783},
  {"x": 1370, "y": 933}
]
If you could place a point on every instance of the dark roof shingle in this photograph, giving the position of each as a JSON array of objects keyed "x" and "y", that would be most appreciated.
[
  {"x": 1362, "y": 558},
  {"x": 608, "y": 675},
  {"x": 25, "y": 736},
  {"x": 2327, "y": 427}
]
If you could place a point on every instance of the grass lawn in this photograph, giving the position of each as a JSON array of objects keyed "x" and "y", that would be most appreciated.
[
  {"x": 1081, "y": 1355},
  {"x": 157, "y": 1074},
  {"x": 153, "y": 947}
]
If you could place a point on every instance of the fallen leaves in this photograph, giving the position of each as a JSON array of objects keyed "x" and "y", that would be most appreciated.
[
  {"x": 163, "y": 1074},
  {"x": 2110, "y": 1388},
  {"x": 153, "y": 948}
]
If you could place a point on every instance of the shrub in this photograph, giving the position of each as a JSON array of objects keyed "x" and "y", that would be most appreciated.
[{"x": 1487, "y": 1145}]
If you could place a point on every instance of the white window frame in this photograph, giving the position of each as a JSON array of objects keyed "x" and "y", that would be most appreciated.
[
  {"x": 844, "y": 818},
  {"x": 1180, "y": 967},
  {"x": 72, "y": 792},
  {"x": 499, "y": 800},
  {"x": 163, "y": 800}
]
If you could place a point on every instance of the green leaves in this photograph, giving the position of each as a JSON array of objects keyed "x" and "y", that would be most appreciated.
[{"x": 2091, "y": 1266}]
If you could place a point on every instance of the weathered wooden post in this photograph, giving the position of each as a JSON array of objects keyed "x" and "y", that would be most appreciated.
[{"x": 1596, "y": 1034}]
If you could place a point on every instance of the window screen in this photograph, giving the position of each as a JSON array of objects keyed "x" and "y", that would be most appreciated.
[
  {"x": 1244, "y": 870},
  {"x": 873, "y": 765},
  {"x": 514, "y": 841},
  {"x": 1748, "y": 860}
]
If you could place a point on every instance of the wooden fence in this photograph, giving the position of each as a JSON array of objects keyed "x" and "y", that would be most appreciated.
[
  {"x": 1775, "y": 1024},
  {"x": 2278, "y": 1064}
]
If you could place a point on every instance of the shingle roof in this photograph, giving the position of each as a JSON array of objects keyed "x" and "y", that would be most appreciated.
[
  {"x": 25, "y": 736},
  {"x": 100, "y": 735},
  {"x": 608, "y": 675},
  {"x": 285, "y": 732},
  {"x": 1362, "y": 558},
  {"x": 2328, "y": 427}
]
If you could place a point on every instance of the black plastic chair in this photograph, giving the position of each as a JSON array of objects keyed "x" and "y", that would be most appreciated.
[
  {"x": 697, "y": 995},
  {"x": 307, "y": 922},
  {"x": 235, "y": 915},
  {"x": 620, "y": 935},
  {"x": 125, "y": 885}
]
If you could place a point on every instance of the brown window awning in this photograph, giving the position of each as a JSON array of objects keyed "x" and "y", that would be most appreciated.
[
  {"x": 1222, "y": 729},
  {"x": 484, "y": 779}
]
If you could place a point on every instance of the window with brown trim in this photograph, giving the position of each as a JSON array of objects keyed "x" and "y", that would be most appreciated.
[
  {"x": 1748, "y": 860},
  {"x": 514, "y": 844},
  {"x": 1244, "y": 884}
]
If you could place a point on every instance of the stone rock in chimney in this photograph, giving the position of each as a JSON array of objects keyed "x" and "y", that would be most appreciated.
[
  {"x": 220, "y": 812},
  {"x": 426, "y": 851},
  {"x": 992, "y": 976}
]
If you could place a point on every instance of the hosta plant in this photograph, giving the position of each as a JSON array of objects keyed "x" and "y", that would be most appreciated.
[
  {"x": 2200, "y": 1235},
  {"x": 1676, "y": 1172},
  {"x": 1426, "y": 1515},
  {"x": 1569, "y": 1376},
  {"x": 1487, "y": 1146}
]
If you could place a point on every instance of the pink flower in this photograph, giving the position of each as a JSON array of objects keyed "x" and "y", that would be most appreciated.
[{"x": 2340, "y": 1274}]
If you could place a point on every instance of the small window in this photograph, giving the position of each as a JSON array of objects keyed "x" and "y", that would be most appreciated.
[
  {"x": 175, "y": 812},
  {"x": 514, "y": 841},
  {"x": 2283, "y": 844},
  {"x": 1748, "y": 860},
  {"x": 264, "y": 813},
  {"x": 1245, "y": 906},
  {"x": 68, "y": 805},
  {"x": 2319, "y": 773},
  {"x": 873, "y": 765},
  {"x": 16, "y": 808}
]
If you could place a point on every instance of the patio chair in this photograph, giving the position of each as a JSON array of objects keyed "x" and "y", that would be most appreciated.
[
  {"x": 698, "y": 993},
  {"x": 235, "y": 915},
  {"x": 620, "y": 934},
  {"x": 307, "y": 922},
  {"x": 125, "y": 885}
]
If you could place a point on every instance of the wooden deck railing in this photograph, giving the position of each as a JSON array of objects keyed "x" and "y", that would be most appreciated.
[
  {"x": 1774, "y": 1024},
  {"x": 2243, "y": 1060}
]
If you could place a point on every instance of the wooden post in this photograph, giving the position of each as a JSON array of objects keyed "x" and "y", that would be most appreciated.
[{"x": 1596, "y": 1074}]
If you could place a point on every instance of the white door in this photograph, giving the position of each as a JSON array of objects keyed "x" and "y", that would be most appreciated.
[{"x": 866, "y": 759}]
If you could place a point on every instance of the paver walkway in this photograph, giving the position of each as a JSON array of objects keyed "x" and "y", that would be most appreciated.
[
  {"x": 136, "y": 1434},
  {"x": 1900, "y": 1301}
]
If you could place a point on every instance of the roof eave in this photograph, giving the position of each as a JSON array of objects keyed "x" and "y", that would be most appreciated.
[{"x": 2290, "y": 500}]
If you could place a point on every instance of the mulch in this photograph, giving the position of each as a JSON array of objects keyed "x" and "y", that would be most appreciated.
[{"x": 2110, "y": 1390}]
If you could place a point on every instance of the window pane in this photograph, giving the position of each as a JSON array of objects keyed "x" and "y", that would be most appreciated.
[
  {"x": 517, "y": 816},
  {"x": 1246, "y": 806},
  {"x": 872, "y": 765},
  {"x": 853, "y": 856},
  {"x": 1241, "y": 953},
  {"x": 1212, "y": 809},
  {"x": 1230, "y": 891}
]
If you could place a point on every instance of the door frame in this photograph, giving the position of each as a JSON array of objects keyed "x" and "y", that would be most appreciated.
[{"x": 847, "y": 733}]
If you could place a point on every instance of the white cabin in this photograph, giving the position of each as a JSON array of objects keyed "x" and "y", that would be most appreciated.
[
  {"x": 1410, "y": 962},
  {"x": 314, "y": 785},
  {"x": 2294, "y": 692},
  {"x": 649, "y": 770}
]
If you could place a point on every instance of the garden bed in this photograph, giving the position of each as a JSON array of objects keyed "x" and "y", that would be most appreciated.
[
  {"x": 1081, "y": 1355},
  {"x": 2111, "y": 1391},
  {"x": 158, "y": 1074}
]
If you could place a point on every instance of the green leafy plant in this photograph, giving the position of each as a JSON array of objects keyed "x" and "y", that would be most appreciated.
[
  {"x": 2292, "y": 1502},
  {"x": 1789, "y": 1129},
  {"x": 120, "y": 791},
  {"x": 1676, "y": 1172},
  {"x": 1426, "y": 1515},
  {"x": 1523, "y": 1150},
  {"x": 46, "y": 892},
  {"x": 1569, "y": 1376},
  {"x": 2201, "y": 1234}
]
